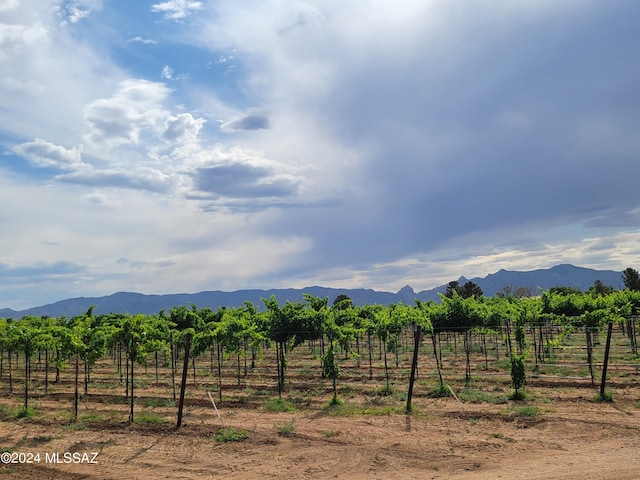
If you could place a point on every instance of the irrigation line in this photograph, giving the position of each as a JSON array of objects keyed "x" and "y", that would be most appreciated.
[
  {"x": 214, "y": 406},
  {"x": 455, "y": 396}
]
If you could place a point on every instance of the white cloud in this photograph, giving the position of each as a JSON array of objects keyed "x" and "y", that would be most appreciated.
[
  {"x": 76, "y": 13},
  {"x": 182, "y": 128},
  {"x": 46, "y": 154},
  {"x": 120, "y": 119},
  {"x": 167, "y": 72},
  {"x": 98, "y": 198},
  {"x": 48, "y": 74},
  {"x": 146, "y": 41},
  {"x": 15, "y": 38},
  {"x": 8, "y": 5},
  {"x": 177, "y": 9},
  {"x": 140, "y": 178}
]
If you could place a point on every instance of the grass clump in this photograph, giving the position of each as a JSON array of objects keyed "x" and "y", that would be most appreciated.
[
  {"x": 384, "y": 391},
  {"x": 28, "y": 412},
  {"x": 231, "y": 434},
  {"x": 148, "y": 417},
  {"x": 606, "y": 397},
  {"x": 279, "y": 405},
  {"x": 285, "y": 428},
  {"x": 517, "y": 395},
  {"x": 355, "y": 410},
  {"x": 526, "y": 411},
  {"x": 439, "y": 392},
  {"x": 478, "y": 396},
  {"x": 158, "y": 402}
]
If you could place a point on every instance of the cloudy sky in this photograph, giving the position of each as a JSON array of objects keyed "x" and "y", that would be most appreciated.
[{"x": 181, "y": 145}]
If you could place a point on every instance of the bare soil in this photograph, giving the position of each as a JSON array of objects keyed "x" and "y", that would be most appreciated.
[{"x": 558, "y": 433}]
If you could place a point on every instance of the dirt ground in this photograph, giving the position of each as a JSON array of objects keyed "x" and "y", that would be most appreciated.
[{"x": 567, "y": 437}]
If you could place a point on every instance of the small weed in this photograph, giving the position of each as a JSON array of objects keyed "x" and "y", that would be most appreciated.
[
  {"x": 347, "y": 390},
  {"x": 353, "y": 410},
  {"x": 517, "y": 395},
  {"x": 91, "y": 417},
  {"x": 40, "y": 439},
  {"x": 335, "y": 401},
  {"x": 478, "y": 396},
  {"x": 76, "y": 426},
  {"x": 285, "y": 428},
  {"x": 500, "y": 436},
  {"x": 439, "y": 392},
  {"x": 527, "y": 411},
  {"x": 265, "y": 392},
  {"x": 400, "y": 396},
  {"x": 331, "y": 433},
  {"x": 379, "y": 401},
  {"x": 231, "y": 434},
  {"x": 159, "y": 402},
  {"x": 301, "y": 401},
  {"x": 24, "y": 413},
  {"x": 279, "y": 405},
  {"x": 607, "y": 397},
  {"x": 384, "y": 391},
  {"x": 148, "y": 417}
]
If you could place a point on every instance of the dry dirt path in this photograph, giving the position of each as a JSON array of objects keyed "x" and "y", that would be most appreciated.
[{"x": 571, "y": 440}]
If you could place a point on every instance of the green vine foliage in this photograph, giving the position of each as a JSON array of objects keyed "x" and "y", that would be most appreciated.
[{"x": 518, "y": 372}]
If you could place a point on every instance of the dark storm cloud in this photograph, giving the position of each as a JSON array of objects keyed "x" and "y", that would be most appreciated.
[
  {"x": 243, "y": 181},
  {"x": 249, "y": 122},
  {"x": 43, "y": 270},
  {"x": 499, "y": 125}
]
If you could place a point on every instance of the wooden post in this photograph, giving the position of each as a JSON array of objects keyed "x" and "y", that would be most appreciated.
[
  {"x": 132, "y": 399},
  {"x": 414, "y": 365},
  {"x": 75, "y": 395},
  {"x": 606, "y": 361},
  {"x": 173, "y": 369},
  {"x": 185, "y": 372},
  {"x": 590, "y": 353},
  {"x": 435, "y": 354}
]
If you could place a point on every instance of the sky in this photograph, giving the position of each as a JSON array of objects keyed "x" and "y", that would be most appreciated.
[{"x": 181, "y": 145}]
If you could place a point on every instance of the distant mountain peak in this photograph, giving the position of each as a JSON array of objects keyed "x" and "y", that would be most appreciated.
[
  {"x": 406, "y": 290},
  {"x": 560, "y": 275}
]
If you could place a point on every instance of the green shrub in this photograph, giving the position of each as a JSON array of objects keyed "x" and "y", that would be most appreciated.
[
  {"x": 230, "y": 434},
  {"x": 517, "y": 370}
]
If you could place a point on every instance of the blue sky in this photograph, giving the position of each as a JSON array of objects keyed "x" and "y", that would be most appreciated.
[{"x": 181, "y": 145}]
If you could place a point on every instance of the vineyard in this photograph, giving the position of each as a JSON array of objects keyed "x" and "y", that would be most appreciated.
[{"x": 153, "y": 372}]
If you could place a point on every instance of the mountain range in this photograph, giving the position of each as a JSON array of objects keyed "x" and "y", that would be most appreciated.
[{"x": 121, "y": 302}]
